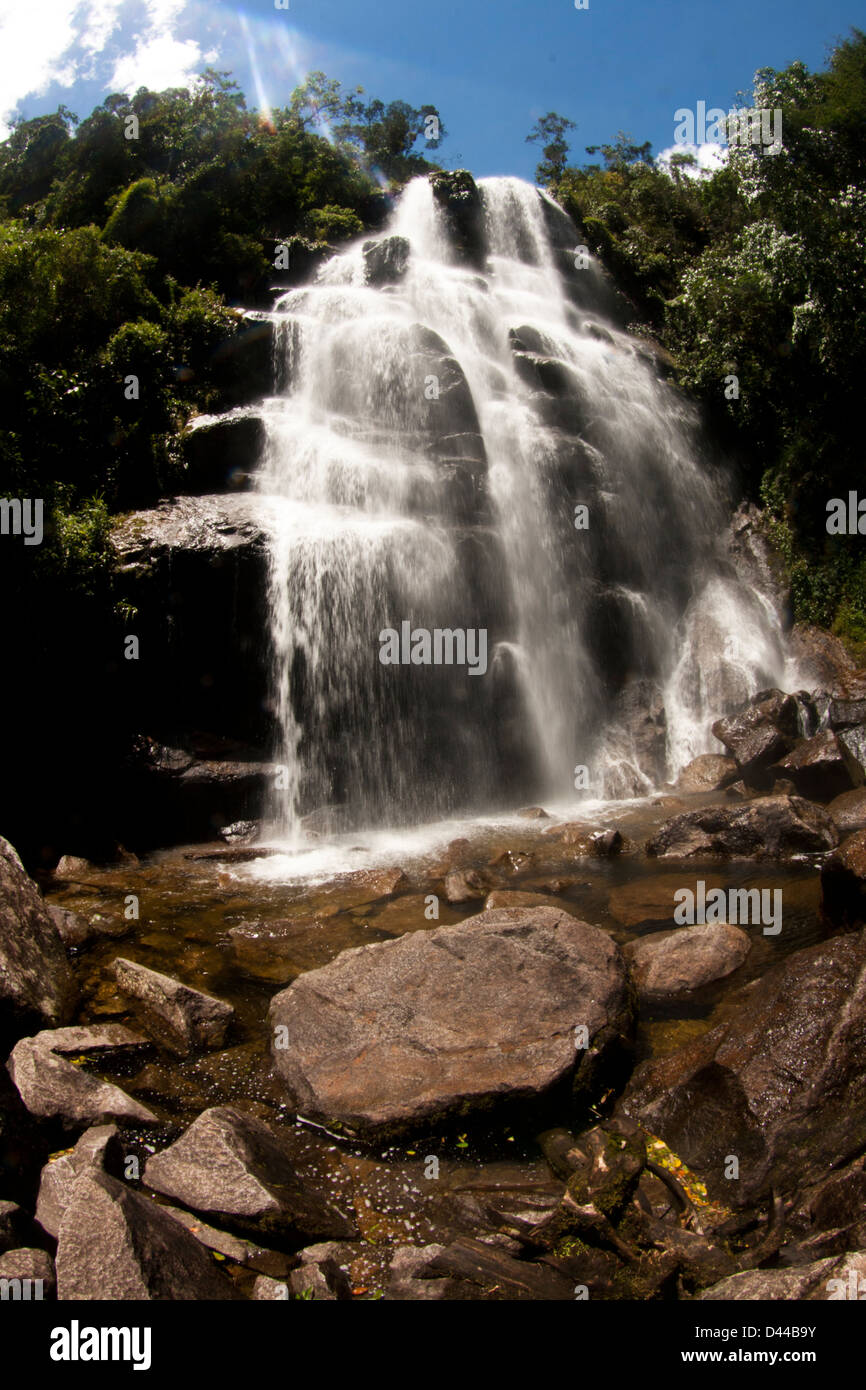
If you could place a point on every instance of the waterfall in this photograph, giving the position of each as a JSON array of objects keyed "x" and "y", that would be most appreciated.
[{"x": 442, "y": 419}]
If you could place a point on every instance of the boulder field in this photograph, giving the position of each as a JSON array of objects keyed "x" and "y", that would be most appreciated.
[{"x": 549, "y": 1081}]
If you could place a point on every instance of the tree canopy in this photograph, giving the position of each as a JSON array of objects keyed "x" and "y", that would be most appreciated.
[{"x": 758, "y": 271}]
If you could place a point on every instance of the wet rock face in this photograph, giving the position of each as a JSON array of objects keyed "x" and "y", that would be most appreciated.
[
  {"x": 761, "y": 733},
  {"x": 458, "y": 196},
  {"x": 781, "y": 1086},
  {"x": 852, "y": 746},
  {"x": 35, "y": 979},
  {"x": 114, "y": 1243},
  {"x": 824, "y": 663},
  {"x": 305, "y": 260},
  {"x": 843, "y": 883},
  {"x": 220, "y": 454},
  {"x": 706, "y": 773},
  {"x": 849, "y": 810},
  {"x": 464, "y": 885},
  {"x": 194, "y": 569},
  {"x": 385, "y": 261},
  {"x": 671, "y": 965},
  {"x": 448, "y": 1021},
  {"x": 758, "y": 561},
  {"x": 846, "y": 714},
  {"x": 187, "y": 798},
  {"x": 640, "y": 711},
  {"x": 816, "y": 767},
  {"x": 764, "y": 828},
  {"x": 232, "y": 1167}
]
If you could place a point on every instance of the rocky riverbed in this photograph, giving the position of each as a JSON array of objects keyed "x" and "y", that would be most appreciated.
[{"x": 485, "y": 1060}]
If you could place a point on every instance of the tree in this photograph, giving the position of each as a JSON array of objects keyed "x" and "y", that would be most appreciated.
[
  {"x": 623, "y": 152},
  {"x": 552, "y": 129}
]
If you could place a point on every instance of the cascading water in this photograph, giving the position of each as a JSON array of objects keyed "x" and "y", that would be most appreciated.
[{"x": 443, "y": 416}]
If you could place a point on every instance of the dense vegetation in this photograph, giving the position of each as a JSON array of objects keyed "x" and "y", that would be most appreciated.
[
  {"x": 758, "y": 271},
  {"x": 127, "y": 241},
  {"x": 126, "y": 238}
]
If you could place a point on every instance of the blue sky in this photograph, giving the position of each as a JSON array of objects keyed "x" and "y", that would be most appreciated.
[{"x": 491, "y": 66}]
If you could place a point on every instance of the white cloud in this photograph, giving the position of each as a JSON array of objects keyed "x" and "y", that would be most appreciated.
[
  {"x": 102, "y": 18},
  {"x": 33, "y": 41},
  {"x": 709, "y": 157},
  {"x": 65, "y": 41},
  {"x": 158, "y": 61}
]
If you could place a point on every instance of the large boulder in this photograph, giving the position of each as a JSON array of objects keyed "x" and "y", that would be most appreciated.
[
  {"x": 843, "y": 883},
  {"x": 849, "y": 810},
  {"x": 233, "y": 1168},
  {"x": 816, "y": 767},
  {"x": 762, "y": 732},
  {"x": 672, "y": 964},
  {"x": 706, "y": 773},
  {"x": 181, "y": 1018},
  {"x": 114, "y": 1243},
  {"x": 54, "y": 1088},
  {"x": 77, "y": 931},
  {"x": 35, "y": 978},
  {"x": 768, "y": 827},
  {"x": 385, "y": 261},
  {"x": 94, "y": 1149},
  {"x": 221, "y": 453},
  {"x": 450, "y": 1021},
  {"x": 780, "y": 1084},
  {"x": 463, "y": 885}
]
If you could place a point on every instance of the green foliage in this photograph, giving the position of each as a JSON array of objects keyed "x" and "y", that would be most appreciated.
[
  {"x": 379, "y": 137},
  {"x": 136, "y": 217},
  {"x": 550, "y": 132},
  {"x": 189, "y": 210},
  {"x": 80, "y": 551},
  {"x": 759, "y": 271},
  {"x": 623, "y": 153},
  {"x": 332, "y": 223},
  {"x": 644, "y": 225}
]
